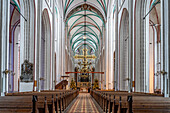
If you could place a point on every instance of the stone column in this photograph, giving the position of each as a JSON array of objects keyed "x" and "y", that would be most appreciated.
[
  {"x": 57, "y": 51},
  {"x": 109, "y": 70},
  {"x": 1, "y": 47},
  {"x": 168, "y": 2},
  {"x": 101, "y": 60},
  {"x": 60, "y": 47},
  {"x": 103, "y": 69},
  {"x": 106, "y": 52},
  {"x": 146, "y": 48},
  {"x": 63, "y": 46},
  {"x": 130, "y": 70},
  {"x": 4, "y": 44},
  {"x": 165, "y": 46},
  {"x": 53, "y": 46},
  {"x": 35, "y": 56},
  {"x": 109, "y": 50},
  {"x": 38, "y": 44},
  {"x": 100, "y": 70},
  {"x": 163, "y": 77},
  {"x": 116, "y": 48}
]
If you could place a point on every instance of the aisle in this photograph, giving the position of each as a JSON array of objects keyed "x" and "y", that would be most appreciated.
[{"x": 83, "y": 104}]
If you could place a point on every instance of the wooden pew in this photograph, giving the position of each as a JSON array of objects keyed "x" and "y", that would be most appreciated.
[
  {"x": 45, "y": 100},
  {"x": 123, "y": 102},
  {"x": 49, "y": 101},
  {"x": 151, "y": 104},
  {"x": 20, "y": 104}
]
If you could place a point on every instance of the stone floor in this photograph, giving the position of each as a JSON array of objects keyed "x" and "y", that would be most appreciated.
[{"x": 84, "y": 103}]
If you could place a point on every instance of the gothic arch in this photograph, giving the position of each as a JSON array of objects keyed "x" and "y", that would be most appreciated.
[
  {"x": 92, "y": 4},
  {"x": 27, "y": 29},
  {"x": 155, "y": 49},
  {"x": 45, "y": 63},
  {"x": 123, "y": 53},
  {"x": 14, "y": 47}
]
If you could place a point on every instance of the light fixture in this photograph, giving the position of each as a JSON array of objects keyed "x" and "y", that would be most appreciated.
[{"x": 84, "y": 37}]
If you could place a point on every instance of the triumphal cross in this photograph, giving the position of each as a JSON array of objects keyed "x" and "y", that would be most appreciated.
[{"x": 85, "y": 56}]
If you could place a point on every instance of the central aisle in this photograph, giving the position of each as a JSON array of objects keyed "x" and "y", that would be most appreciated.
[{"x": 83, "y": 104}]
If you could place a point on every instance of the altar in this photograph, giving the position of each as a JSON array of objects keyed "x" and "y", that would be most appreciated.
[
  {"x": 84, "y": 78},
  {"x": 84, "y": 90},
  {"x": 83, "y": 86}
]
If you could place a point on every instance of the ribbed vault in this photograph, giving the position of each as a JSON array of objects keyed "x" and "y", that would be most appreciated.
[{"x": 85, "y": 18}]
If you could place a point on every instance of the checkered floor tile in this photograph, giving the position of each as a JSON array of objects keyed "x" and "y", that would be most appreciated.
[{"x": 83, "y": 104}]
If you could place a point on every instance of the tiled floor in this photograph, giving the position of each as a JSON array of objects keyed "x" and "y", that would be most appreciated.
[{"x": 83, "y": 104}]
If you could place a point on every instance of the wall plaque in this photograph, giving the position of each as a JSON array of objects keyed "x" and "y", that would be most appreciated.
[{"x": 26, "y": 72}]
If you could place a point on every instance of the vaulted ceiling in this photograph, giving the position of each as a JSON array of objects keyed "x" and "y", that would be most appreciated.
[{"x": 85, "y": 23}]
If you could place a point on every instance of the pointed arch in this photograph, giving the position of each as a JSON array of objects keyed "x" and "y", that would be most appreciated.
[
  {"x": 45, "y": 49},
  {"x": 123, "y": 47}
]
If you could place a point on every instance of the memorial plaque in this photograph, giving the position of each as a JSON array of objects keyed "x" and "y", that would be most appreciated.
[{"x": 26, "y": 72}]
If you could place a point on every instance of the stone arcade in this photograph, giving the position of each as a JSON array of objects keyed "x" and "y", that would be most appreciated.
[{"x": 52, "y": 50}]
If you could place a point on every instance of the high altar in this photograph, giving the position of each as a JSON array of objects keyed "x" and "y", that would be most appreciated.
[
  {"x": 84, "y": 80},
  {"x": 84, "y": 83}
]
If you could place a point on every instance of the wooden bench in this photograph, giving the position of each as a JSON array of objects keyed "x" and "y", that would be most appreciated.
[
  {"x": 123, "y": 102},
  {"x": 20, "y": 104},
  {"x": 46, "y": 101}
]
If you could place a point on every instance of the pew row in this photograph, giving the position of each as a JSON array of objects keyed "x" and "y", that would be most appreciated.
[
  {"x": 124, "y": 102},
  {"x": 37, "y": 102}
]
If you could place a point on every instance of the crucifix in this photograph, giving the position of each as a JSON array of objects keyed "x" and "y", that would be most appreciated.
[{"x": 85, "y": 56}]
